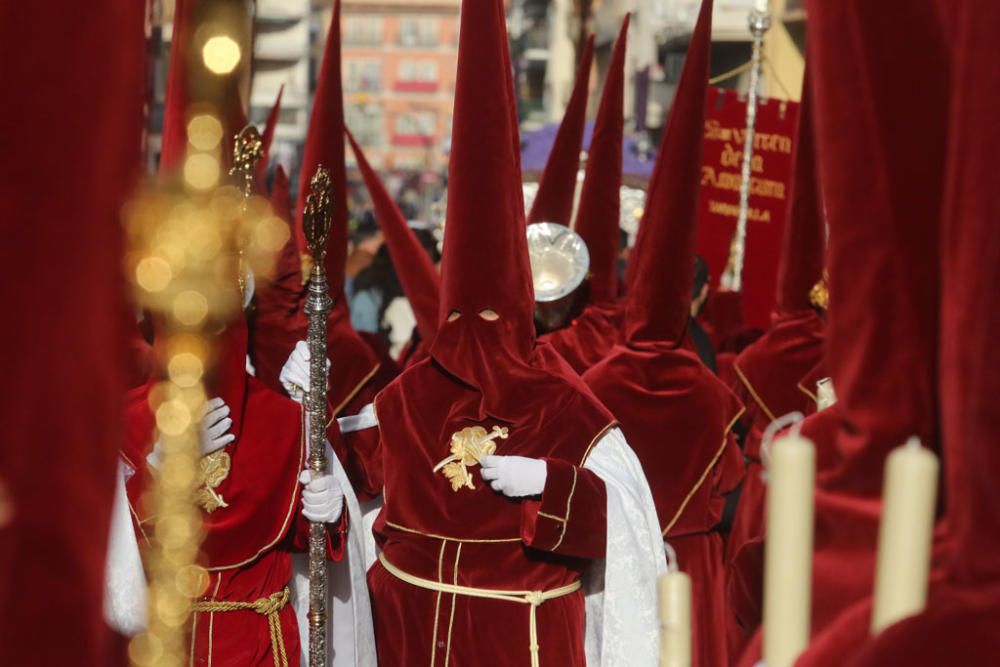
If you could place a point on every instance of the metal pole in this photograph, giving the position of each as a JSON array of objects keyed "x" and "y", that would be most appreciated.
[
  {"x": 732, "y": 277},
  {"x": 316, "y": 221}
]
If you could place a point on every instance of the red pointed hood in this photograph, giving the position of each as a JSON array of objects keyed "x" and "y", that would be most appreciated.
[
  {"x": 416, "y": 272},
  {"x": 485, "y": 265},
  {"x": 267, "y": 138},
  {"x": 325, "y": 147},
  {"x": 597, "y": 219},
  {"x": 659, "y": 294},
  {"x": 554, "y": 200},
  {"x": 804, "y": 252},
  {"x": 173, "y": 144}
]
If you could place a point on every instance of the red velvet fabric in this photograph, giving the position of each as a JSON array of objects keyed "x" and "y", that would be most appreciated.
[
  {"x": 484, "y": 373},
  {"x": 72, "y": 117},
  {"x": 745, "y": 566},
  {"x": 417, "y": 274},
  {"x": 491, "y": 541},
  {"x": 266, "y": 138},
  {"x": 353, "y": 363},
  {"x": 557, "y": 186},
  {"x": 963, "y": 609},
  {"x": 324, "y": 147},
  {"x": 247, "y": 546},
  {"x": 662, "y": 262},
  {"x": 883, "y": 204},
  {"x": 280, "y": 322},
  {"x": 485, "y": 260},
  {"x": 173, "y": 143},
  {"x": 588, "y": 338},
  {"x": 597, "y": 219},
  {"x": 677, "y": 416}
]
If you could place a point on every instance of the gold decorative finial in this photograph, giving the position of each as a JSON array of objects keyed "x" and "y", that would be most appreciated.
[
  {"x": 316, "y": 215},
  {"x": 248, "y": 150},
  {"x": 819, "y": 295}
]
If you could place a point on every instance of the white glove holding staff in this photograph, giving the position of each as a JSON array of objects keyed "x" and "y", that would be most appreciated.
[
  {"x": 322, "y": 497},
  {"x": 294, "y": 374},
  {"x": 213, "y": 431},
  {"x": 514, "y": 476}
]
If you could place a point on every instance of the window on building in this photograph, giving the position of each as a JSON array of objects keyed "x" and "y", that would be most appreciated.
[
  {"x": 416, "y": 123},
  {"x": 365, "y": 123},
  {"x": 424, "y": 71},
  {"x": 363, "y": 30},
  {"x": 362, "y": 76},
  {"x": 418, "y": 31}
]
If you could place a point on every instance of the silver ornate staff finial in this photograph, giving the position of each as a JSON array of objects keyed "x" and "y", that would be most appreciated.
[
  {"x": 316, "y": 219},
  {"x": 732, "y": 277}
]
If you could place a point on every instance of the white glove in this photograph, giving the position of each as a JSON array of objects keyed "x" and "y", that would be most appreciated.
[
  {"x": 322, "y": 497},
  {"x": 213, "y": 431},
  {"x": 294, "y": 374},
  {"x": 514, "y": 476}
]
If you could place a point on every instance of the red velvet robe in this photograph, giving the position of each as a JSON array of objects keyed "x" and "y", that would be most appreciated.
[
  {"x": 477, "y": 537},
  {"x": 587, "y": 339},
  {"x": 248, "y": 545},
  {"x": 677, "y": 417},
  {"x": 767, "y": 379}
]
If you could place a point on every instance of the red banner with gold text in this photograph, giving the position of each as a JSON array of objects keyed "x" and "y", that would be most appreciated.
[{"x": 722, "y": 159}]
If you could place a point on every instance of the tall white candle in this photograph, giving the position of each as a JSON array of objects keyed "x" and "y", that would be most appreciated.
[
  {"x": 760, "y": 6},
  {"x": 904, "y": 540},
  {"x": 674, "y": 593},
  {"x": 788, "y": 549}
]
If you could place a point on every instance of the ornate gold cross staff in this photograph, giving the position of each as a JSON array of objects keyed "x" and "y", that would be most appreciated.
[
  {"x": 316, "y": 223},
  {"x": 248, "y": 149}
]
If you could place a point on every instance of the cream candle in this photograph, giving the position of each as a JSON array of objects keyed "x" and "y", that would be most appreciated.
[
  {"x": 904, "y": 540},
  {"x": 674, "y": 593},
  {"x": 788, "y": 549}
]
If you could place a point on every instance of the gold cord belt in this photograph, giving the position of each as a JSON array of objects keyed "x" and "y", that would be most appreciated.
[
  {"x": 269, "y": 606},
  {"x": 532, "y": 598}
]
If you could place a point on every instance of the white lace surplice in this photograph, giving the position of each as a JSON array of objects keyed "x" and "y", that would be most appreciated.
[{"x": 623, "y": 628}]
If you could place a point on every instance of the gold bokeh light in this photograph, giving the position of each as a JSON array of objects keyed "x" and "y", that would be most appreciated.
[{"x": 221, "y": 54}]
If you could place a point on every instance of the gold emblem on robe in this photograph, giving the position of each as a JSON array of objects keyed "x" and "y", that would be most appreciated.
[
  {"x": 468, "y": 447},
  {"x": 819, "y": 295},
  {"x": 214, "y": 469}
]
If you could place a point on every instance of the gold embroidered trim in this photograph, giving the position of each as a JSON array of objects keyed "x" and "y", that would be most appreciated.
[
  {"x": 437, "y": 607},
  {"x": 451, "y": 619},
  {"x": 597, "y": 438},
  {"x": 808, "y": 393},
  {"x": 211, "y": 619},
  {"x": 753, "y": 392},
  {"x": 468, "y": 447},
  {"x": 569, "y": 505},
  {"x": 354, "y": 392},
  {"x": 552, "y": 516},
  {"x": 213, "y": 469},
  {"x": 450, "y": 539},
  {"x": 704, "y": 474}
]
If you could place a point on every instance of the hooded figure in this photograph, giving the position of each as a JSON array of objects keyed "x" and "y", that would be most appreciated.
[
  {"x": 884, "y": 210},
  {"x": 590, "y": 335},
  {"x": 554, "y": 200},
  {"x": 770, "y": 371},
  {"x": 958, "y": 626},
  {"x": 255, "y": 511},
  {"x": 353, "y": 362},
  {"x": 674, "y": 411},
  {"x": 505, "y": 481},
  {"x": 417, "y": 274}
]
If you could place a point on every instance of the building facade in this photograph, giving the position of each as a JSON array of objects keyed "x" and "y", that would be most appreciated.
[{"x": 399, "y": 60}]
